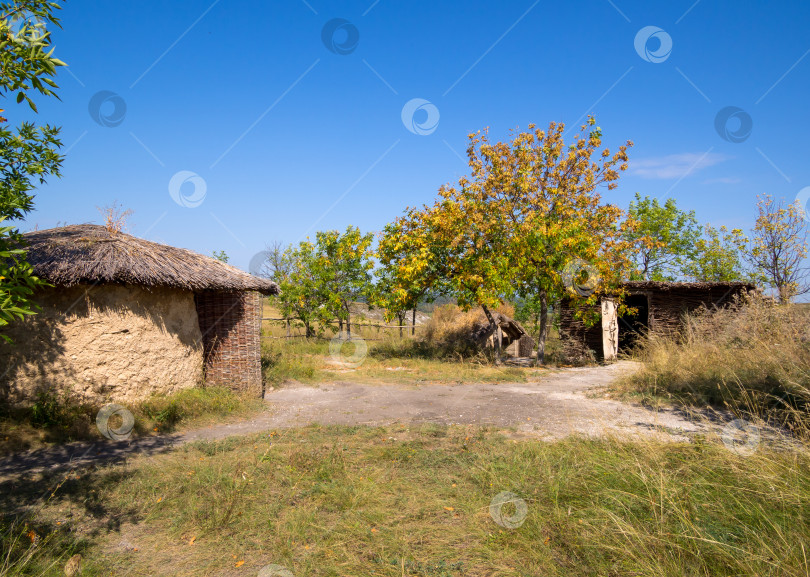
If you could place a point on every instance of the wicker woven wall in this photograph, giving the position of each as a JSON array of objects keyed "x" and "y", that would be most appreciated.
[
  {"x": 230, "y": 324},
  {"x": 668, "y": 302},
  {"x": 573, "y": 328}
]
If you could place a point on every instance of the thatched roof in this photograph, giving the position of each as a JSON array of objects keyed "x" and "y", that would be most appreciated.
[
  {"x": 91, "y": 254},
  {"x": 665, "y": 286},
  {"x": 510, "y": 327}
]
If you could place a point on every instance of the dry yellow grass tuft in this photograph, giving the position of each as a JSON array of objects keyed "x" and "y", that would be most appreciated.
[
  {"x": 753, "y": 359},
  {"x": 449, "y": 328}
]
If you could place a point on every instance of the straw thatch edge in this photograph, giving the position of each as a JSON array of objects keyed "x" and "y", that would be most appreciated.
[{"x": 92, "y": 254}]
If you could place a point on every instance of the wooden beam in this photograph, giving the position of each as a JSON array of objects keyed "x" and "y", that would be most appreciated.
[{"x": 610, "y": 329}]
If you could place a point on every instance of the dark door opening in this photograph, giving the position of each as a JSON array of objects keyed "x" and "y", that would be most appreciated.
[{"x": 632, "y": 326}]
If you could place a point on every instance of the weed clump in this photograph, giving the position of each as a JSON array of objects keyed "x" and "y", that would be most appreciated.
[{"x": 752, "y": 358}]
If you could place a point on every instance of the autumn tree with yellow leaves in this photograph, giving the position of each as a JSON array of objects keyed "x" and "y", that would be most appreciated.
[
  {"x": 778, "y": 248},
  {"x": 528, "y": 221},
  {"x": 411, "y": 265}
]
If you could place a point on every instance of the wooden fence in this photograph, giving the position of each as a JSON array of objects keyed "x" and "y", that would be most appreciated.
[{"x": 336, "y": 323}]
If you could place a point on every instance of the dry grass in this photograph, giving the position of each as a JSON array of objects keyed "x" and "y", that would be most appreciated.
[
  {"x": 389, "y": 361},
  {"x": 397, "y": 501},
  {"x": 753, "y": 359},
  {"x": 388, "y": 358},
  {"x": 449, "y": 329}
]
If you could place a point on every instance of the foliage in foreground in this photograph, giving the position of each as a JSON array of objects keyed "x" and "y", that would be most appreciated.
[
  {"x": 399, "y": 501},
  {"x": 28, "y": 153},
  {"x": 753, "y": 359}
]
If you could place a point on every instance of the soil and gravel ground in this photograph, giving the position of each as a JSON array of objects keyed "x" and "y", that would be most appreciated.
[{"x": 559, "y": 404}]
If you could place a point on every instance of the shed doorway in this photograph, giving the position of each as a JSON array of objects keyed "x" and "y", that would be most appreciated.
[{"x": 633, "y": 326}]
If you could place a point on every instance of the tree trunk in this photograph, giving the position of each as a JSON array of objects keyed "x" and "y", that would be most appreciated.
[
  {"x": 288, "y": 327},
  {"x": 784, "y": 292},
  {"x": 340, "y": 326},
  {"x": 349, "y": 327},
  {"x": 493, "y": 330},
  {"x": 401, "y": 319},
  {"x": 542, "y": 332},
  {"x": 413, "y": 323}
]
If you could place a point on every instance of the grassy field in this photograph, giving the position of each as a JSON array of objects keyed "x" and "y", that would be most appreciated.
[
  {"x": 436, "y": 501},
  {"x": 422, "y": 502},
  {"x": 399, "y": 361}
]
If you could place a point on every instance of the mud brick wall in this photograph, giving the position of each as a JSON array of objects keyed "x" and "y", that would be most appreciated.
[{"x": 230, "y": 324}]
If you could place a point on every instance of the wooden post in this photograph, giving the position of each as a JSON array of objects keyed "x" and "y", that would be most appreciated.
[
  {"x": 610, "y": 329},
  {"x": 413, "y": 322}
]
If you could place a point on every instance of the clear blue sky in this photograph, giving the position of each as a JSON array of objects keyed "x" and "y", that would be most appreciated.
[{"x": 290, "y": 137}]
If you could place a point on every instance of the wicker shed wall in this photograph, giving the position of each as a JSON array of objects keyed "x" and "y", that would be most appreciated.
[
  {"x": 667, "y": 303},
  {"x": 667, "y": 307},
  {"x": 573, "y": 328},
  {"x": 231, "y": 327}
]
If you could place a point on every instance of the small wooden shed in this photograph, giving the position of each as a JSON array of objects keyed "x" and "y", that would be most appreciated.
[
  {"x": 508, "y": 334},
  {"x": 127, "y": 318},
  {"x": 660, "y": 307}
]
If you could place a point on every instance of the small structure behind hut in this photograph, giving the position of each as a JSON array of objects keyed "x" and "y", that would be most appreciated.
[
  {"x": 660, "y": 308},
  {"x": 128, "y": 318},
  {"x": 509, "y": 335}
]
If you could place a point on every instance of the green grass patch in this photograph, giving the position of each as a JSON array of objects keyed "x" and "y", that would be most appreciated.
[{"x": 58, "y": 419}]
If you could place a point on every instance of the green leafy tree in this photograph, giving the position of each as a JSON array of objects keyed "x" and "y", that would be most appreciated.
[
  {"x": 28, "y": 152},
  {"x": 301, "y": 297},
  {"x": 319, "y": 282},
  {"x": 664, "y": 237},
  {"x": 718, "y": 256},
  {"x": 342, "y": 267}
]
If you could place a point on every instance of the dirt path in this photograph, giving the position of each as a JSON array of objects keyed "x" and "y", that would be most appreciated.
[{"x": 554, "y": 407}]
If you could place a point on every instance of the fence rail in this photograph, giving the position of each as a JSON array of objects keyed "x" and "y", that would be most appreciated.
[
  {"x": 353, "y": 324},
  {"x": 316, "y": 337}
]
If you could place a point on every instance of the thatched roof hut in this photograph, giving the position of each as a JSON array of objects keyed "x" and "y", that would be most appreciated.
[
  {"x": 127, "y": 317},
  {"x": 660, "y": 308}
]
